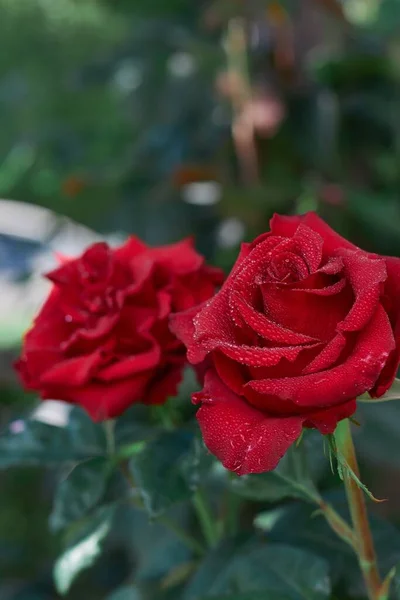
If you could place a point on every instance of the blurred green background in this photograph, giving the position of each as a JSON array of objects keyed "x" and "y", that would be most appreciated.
[{"x": 168, "y": 118}]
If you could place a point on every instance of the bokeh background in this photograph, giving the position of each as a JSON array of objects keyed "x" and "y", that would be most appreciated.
[{"x": 168, "y": 118}]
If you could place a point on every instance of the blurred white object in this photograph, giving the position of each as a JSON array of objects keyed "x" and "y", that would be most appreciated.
[
  {"x": 181, "y": 64},
  {"x": 231, "y": 232},
  {"x": 202, "y": 193},
  {"x": 361, "y": 12},
  {"x": 53, "y": 412},
  {"x": 128, "y": 77},
  {"x": 34, "y": 235}
]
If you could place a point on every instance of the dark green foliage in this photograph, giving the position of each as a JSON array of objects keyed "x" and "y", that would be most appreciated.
[
  {"x": 167, "y": 470},
  {"x": 33, "y": 442},
  {"x": 258, "y": 567}
]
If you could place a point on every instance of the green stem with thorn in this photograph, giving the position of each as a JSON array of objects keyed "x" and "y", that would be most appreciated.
[{"x": 364, "y": 545}]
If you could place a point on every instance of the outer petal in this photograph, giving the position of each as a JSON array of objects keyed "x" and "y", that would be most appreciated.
[
  {"x": 366, "y": 275},
  {"x": 391, "y": 302},
  {"x": 131, "y": 365},
  {"x": 328, "y": 356},
  {"x": 182, "y": 325},
  {"x": 243, "y": 438},
  {"x": 180, "y": 258},
  {"x": 72, "y": 372},
  {"x": 164, "y": 385},
  {"x": 87, "y": 339},
  {"x": 263, "y": 326},
  {"x": 355, "y": 376},
  {"x": 95, "y": 267},
  {"x": 233, "y": 374},
  {"x": 101, "y": 400},
  {"x": 131, "y": 248},
  {"x": 286, "y": 226},
  {"x": 200, "y": 327},
  {"x": 254, "y": 356},
  {"x": 326, "y": 420}
]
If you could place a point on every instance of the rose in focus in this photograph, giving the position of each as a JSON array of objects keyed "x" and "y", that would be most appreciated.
[
  {"x": 304, "y": 324},
  {"x": 102, "y": 339}
]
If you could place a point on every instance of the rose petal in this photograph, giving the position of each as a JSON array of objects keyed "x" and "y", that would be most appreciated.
[
  {"x": 355, "y": 376},
  {"x": 182, "y": 325},
  {"x": 287, "y": 226},
  {"x": 285, "y": 268},
  {"x": 131, "y": 248},
  {"x": 165, "y": 385},
  {"x": 243, "y": 438},
  {"x": 391, "y": 302},
  {"x": 310, "y": 245},
  {"x": 87, "y": 339},
  {"x": 213, "y": 324},
  {"x": 72, "y": 372},
  {"x": 326, "y": 420},
  {"x": 164, "y": 304},
  {"x": 315, "y": 315},
  {"x": 366, "y": 275},
  {"x": 329, "y": 290},
  {"x": 263, "y": 326},
  {"x": 103, "y": 400},
  {"x": 245, "y": 281},
  {"x": 328, "y": 356},
  {"x": 321, "y": 281},
  {"x": 131, "y": 365},
  {"x": 209, "y": 322},
  {"x": 259, "y": 357},
  {"x": 233, "y": 374},
  {"x": 177, "y": 258}
]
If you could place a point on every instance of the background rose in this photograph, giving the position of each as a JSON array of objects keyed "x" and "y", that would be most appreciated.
[
  {"x": 102, "y": 339},
  {"x": 304, "y": 324}
]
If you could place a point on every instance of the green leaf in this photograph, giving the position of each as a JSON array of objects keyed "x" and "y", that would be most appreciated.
[
  {"x": 83, "y": 550},
  {"x": 379, "y": 423},
  {"x": 251, "y": 596},
  {"x": 393, "y": 393},
  {"x": 275, "y": 570},
  {"x": 214, "y": 563},
  {"x": 33, "y": 442},
  {"x": 133, "y": 427},
  {"x": 166, "y": 470},
  {"x": 79, "y": 492},
  {"x": 128, "y": 592},
  {"x": 298, "y": 525},
  {"x": 291, "y": 479}
]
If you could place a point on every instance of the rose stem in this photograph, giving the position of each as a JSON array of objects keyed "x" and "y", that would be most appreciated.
[
  {"x": 364, "y": 544},
  {"x": 109, "y": 426},
  {"x": 205, "y": 517}
]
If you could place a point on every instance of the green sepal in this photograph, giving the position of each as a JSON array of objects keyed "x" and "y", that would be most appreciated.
[{"x": 344, "y": 469}]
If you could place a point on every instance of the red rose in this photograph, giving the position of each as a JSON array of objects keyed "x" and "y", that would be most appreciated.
[
  {"x": 305, "y": 323},
  {"x": 102, "y": 339}
]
